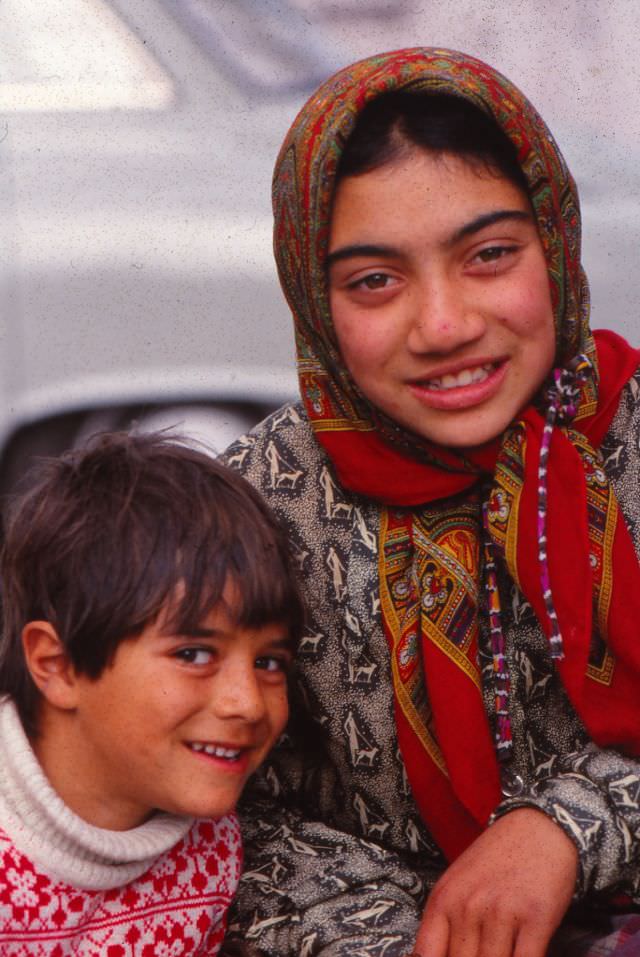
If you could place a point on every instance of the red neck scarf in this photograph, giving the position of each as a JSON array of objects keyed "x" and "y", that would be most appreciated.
[
  {"x": 431, "y": 560},
  {"x": 445, "y": 737}
]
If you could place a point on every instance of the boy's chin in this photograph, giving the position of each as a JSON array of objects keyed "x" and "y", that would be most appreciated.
[{"x": 211, "y": 808}]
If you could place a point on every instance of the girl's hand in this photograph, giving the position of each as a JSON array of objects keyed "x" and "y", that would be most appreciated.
[{"x": 505, "y": 895}]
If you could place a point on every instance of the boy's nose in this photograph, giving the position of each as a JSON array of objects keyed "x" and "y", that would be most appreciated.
[
  {"x": 443, "y": 319},
  {"x": 238, "y": 694}
]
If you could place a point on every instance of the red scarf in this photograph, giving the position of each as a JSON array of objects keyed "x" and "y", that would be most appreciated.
[{"x": 451, "y": 763}]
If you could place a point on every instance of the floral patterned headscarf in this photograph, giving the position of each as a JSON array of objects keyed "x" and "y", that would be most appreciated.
[
  {"x": 541, "y": 480},
  {"x": 303, "y": 189}
]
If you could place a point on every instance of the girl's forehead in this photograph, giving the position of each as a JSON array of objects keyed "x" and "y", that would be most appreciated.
[
  {"x": 421, "y": 207},
  {"x": 431, "y": 178}
]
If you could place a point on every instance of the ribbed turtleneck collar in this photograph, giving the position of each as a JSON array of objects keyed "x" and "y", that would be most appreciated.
[{"x": 58, "y": 841}]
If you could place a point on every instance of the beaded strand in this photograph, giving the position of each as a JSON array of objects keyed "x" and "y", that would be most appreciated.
[
  {"x": 501, "y": 679},
  {"x": 563, "y": 398}
]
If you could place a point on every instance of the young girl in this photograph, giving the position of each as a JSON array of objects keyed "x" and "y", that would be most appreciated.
[{"x": 461, "y": 487}]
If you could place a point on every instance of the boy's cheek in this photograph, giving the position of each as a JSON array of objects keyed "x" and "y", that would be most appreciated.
[{"x": 280, "y": 716}]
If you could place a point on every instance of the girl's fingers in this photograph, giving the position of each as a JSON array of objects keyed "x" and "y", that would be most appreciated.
[
  {"x": 532, "y": 940},
  {"x": 433, "y": 937},
  {"x": 497, "y": 939},
  {"x": 465, "y": 941}
]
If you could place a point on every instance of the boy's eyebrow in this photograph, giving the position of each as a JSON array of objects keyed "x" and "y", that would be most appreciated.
[
  {"x": 196, "y": 631},
  {"x": 474, "y": 226},
  {"x": 285, "y": 641},
  {"x": 174, "y": 630}
]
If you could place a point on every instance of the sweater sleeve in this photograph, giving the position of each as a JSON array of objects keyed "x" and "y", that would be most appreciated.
[
  {"x": 309, "y": 888},
  {"x": 594, "y": 796}
]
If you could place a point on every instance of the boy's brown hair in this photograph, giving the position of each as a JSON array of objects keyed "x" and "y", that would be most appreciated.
[{"x": 105, "y": 537}]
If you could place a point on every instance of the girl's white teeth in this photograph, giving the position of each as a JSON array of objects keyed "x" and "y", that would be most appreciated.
[
  {"x": 466, "y": 377},
  {"x": 212, "y": 749}
]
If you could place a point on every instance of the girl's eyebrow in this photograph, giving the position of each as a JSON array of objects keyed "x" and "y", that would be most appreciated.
[
  {"x": 488, "y": 219},
  {"x": 365, "y": 249},
  {"x": 474, "y": 226}
]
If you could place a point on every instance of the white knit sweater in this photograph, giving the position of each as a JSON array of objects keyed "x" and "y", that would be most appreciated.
[{"x": 67, "y": 884}]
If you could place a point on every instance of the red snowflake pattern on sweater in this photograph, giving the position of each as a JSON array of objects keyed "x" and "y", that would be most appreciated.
[{"x": 177, "y": 908}]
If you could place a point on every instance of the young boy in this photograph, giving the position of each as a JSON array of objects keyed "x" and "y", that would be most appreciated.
[{"x": 150, "y": 614}]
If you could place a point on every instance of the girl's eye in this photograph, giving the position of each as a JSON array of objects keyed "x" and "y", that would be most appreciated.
[
  {"x": 493, "y": 253},
  {"x": 375, "y": 280},
  {"x": 195, "y": 656}
]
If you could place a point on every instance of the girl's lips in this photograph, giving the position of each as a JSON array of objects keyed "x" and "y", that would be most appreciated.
[{"x": 460, "y": 397}]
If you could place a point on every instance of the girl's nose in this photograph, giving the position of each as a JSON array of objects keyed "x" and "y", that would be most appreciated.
[{"x": 443, "y": 319}]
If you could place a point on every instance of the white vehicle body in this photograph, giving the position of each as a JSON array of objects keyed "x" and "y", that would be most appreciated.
[{"x": 137, "y": 141}]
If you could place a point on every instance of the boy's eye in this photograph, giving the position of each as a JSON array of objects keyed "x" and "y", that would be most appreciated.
[
  {"x": 272, "y": 663},
  {"x": 195, "y": 656}
]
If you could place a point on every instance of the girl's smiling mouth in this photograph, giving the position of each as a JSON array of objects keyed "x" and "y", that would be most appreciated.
[
  {"x": 461, "y": 389},
  {"x": 451, "y": 380}
]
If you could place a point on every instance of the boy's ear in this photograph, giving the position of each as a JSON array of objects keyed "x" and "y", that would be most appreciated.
[{"x": 49, "y": 664}]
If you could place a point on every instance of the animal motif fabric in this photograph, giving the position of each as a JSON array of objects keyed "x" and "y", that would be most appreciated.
[
  {"x": 541, "y": 471},
  {"x": 338, "y": 859},
  {"x": 422, "y": 572}
]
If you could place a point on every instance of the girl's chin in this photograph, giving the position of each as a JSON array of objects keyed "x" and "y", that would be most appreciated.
[{"x": 463, "y": 430}]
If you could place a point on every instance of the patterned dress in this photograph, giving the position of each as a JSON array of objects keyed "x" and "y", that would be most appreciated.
[
  {"x": 433, "y": 693},
  {"x": 338, "y": 860}
]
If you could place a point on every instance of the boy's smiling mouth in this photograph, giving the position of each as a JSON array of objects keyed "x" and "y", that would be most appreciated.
[{"x": 216, "y": 750}]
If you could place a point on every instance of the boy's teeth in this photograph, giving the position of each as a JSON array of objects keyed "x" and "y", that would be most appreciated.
[
  {"x": 215, "y": 751},
  {"x": 466, "y": 377}
]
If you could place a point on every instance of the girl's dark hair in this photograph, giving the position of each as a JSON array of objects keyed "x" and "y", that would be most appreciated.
[
  {"x": 395, "y": 123},
  {"x": 106, "y": 537}
]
